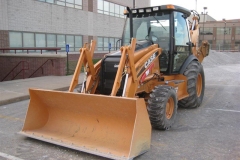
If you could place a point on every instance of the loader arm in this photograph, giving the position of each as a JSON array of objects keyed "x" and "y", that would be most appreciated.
[
  {"x": 127, "y": 54},
  {"x": 85, "y": 59},
  {"x": 142, "y": 65},
  {"x": 134, "y": 65}
]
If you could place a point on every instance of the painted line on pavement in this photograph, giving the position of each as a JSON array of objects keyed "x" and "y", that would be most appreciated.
[
  {"x": 11, "y": 118},
  {"x": 4, "y": 155},
  {"x": 225, "y": 110},
  {"x": 229, "y": 85}
]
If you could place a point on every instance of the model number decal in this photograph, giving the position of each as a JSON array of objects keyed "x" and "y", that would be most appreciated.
[
  {"x": 149, "y": 61},
  {"x": 146, "y": 73}
]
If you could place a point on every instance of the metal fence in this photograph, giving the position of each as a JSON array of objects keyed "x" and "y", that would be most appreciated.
[
  {"x": 28, "y": 49},
  {"x": 225, "y": 47}
]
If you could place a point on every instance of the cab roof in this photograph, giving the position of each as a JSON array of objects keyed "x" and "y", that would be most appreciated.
[{"x": 157, "y": 9}]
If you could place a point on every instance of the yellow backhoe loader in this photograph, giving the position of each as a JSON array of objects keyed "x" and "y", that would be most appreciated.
[{"x": 125, "y": 94}]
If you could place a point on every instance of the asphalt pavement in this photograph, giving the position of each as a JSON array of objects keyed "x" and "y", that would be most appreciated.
[{"x": 210, "y": 131}]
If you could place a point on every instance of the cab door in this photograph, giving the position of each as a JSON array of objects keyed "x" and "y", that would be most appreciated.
[{"x": 182, "y": 48}]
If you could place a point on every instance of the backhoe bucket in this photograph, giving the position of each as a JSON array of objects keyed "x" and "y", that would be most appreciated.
[{"x": 109, "y": 126}]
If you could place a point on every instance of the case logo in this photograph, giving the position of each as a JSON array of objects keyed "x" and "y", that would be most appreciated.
[{"x": 149, "y": 61}]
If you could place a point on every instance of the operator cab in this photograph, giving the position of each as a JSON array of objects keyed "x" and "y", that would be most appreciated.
[{"x": 166, "y": 26}]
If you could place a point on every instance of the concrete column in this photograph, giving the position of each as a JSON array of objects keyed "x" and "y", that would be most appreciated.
[
  {"x": 90, "y": 5},
  {"x": 233, "y": 37},
  {"x": 85, "y": 5},
  {"x": 4, "y": 39}
]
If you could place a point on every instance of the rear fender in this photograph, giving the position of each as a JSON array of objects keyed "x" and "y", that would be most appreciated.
[{"x": 186, "y": 63}]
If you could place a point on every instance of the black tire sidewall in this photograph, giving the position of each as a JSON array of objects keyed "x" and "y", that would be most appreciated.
[
  {"x": 169, "y": 122},
  {"x": 157, "y": 108},
  {"x": 193, "y": 100}
]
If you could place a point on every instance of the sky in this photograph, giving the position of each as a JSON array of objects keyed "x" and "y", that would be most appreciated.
[{"x": 218, "y": 9}]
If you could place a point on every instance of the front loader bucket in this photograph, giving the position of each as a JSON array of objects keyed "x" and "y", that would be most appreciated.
[{"x": 112, "y": 127}]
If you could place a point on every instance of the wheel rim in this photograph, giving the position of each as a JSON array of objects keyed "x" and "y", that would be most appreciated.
[
  {"x": 169, "y": 108},
  {"x": 199, "y": 85}
]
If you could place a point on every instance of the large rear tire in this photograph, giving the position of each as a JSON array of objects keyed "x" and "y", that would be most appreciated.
[
  {"x": 162, "y": 107},
  {"x": 195, "y": 85}
]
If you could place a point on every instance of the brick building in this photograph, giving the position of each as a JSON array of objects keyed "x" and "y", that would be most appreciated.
[
  {"x": 53, "y": 23},
  {"x": 222, "y": 35}
]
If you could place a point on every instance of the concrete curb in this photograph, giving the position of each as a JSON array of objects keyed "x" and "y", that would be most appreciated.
[
  {"x": 25, "y": 97},
  {"x": 13, "y": 100}
]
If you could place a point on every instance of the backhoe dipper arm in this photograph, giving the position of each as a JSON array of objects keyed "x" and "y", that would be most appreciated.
[{"x": 202, "y": 51}]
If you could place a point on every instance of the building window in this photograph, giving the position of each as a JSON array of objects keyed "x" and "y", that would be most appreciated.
[
  {"x": 68, "y": 3},
  {"x": 237, "y": 30},
  {"x": 70, "y": 41},
  {"x": 226, "y": 31},
  {"x": 78, "y": 4},
  {"x": 61, "y": 41},
  {"x": 51, "y": 40},
  {"x": 103, "y": 43},
  {"x": 100, "y": 44},
  {"x": 100, "y": 6},
  {"x": 112, "y": 41},
  {"x": 220, "y": 31},
  {"x": 219, "y": 41},
  {"x": 121, "y": 12},
  {"x": 206, "y": 31},
  {"x": 111, "y": 9},
  {"x": 15, "y": 39},
  {"x": 28, "y": 40},
  {"x": 117, "y": 10},
  {"x": 40, "y": 40},
  {"x": 237, "y": 42},
  {"x": 106, "y": 7},
  {"x": 50, "y": 1},
  {"x": 25, "y": 39},
  {"x": 78, "y": 42}
]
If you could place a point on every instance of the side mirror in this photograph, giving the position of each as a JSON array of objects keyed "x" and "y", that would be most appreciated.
[
  {"x": 179, "y": 49},
  {"x": 154, "y": 39},
  {"x": 190, "y": 44}
]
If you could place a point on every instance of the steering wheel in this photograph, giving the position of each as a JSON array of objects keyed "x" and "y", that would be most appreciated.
[
  {"x": 156, "y": 40},
  {"x": 152, "y": 40}
]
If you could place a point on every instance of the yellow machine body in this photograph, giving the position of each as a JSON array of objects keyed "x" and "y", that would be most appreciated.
[{"x": 116, "y": 127}]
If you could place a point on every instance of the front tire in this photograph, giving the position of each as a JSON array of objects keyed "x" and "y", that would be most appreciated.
[
  {"x": 162, "y": 107},
  {"x": 195, "y": 85}
]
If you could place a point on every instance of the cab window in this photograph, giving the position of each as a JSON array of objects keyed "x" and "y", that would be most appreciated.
[{"x": 181, "y": 36}]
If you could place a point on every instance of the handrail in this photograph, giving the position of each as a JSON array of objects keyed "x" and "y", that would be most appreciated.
[
  {"x": 118, "y": 41},
  {"x": 41, "y": 67},
  {"x": 23, "y": 68},
  {"x": 31, "y": 48}
]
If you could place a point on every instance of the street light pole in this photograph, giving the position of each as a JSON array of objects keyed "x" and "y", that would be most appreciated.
[
  {"x": 224, "y": 34},
  {"x": 204, "y": 13},
  {"x": 196, "y": 5}
]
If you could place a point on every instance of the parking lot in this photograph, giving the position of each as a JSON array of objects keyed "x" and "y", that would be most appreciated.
[{"x": 209, "y": 132}]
